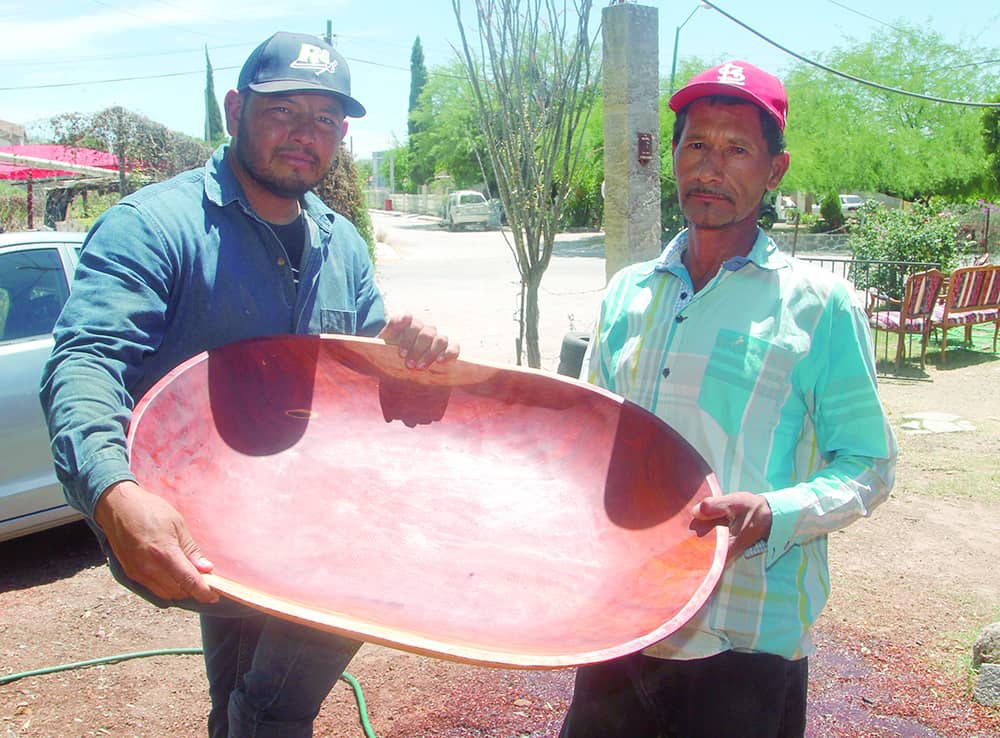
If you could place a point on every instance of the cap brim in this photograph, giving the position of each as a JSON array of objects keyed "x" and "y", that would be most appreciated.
[
  {"x": 352, "y": 107},
  {"x": 697, "y": 90}
]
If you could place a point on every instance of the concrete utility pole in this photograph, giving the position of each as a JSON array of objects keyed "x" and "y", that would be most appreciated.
[{"x": 631, "y": 135}]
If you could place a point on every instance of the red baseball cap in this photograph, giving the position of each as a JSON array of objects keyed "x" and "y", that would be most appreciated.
[{"x": 737, "y": 79}]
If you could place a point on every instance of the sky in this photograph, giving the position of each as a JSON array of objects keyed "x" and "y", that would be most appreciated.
[{"x": 60, "y": 56}]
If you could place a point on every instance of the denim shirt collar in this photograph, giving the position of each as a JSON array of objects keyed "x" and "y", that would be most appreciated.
[{"x": 223, "y": 188}]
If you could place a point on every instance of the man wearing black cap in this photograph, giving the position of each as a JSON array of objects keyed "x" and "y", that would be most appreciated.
[
  {"x": 237, "y": 249},
  {"x": 765, "y": 365}
]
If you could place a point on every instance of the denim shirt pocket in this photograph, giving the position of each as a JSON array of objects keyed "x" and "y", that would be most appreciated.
[
  {"x": 740, "y": 367},
  {"x": 338, "y": 321}
]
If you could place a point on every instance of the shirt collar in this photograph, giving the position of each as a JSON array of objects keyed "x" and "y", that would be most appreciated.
[
  {"x": 764, "y": 253},
  {"x": 223, "y": 188}
]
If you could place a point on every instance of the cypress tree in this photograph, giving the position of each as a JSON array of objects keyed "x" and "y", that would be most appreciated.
[{"x": 214, "y": 132}]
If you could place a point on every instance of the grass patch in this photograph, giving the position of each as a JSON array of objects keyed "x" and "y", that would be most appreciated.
[
  {"x": 959, "y": 353},
  {"x": 961, "y": 666}
]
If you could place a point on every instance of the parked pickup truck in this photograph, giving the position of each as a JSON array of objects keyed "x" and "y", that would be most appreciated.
[
  {"x": 35, "y": 272},
  {"x": 466, "y": 207}
]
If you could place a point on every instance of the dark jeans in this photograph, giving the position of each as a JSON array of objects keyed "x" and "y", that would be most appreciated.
[
  {"x": 267, "y": 677},
  {"x": 737, "y": 695}
]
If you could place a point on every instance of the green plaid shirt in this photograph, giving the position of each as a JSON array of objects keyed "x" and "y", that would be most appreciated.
[{"x": 768, "y": 372}]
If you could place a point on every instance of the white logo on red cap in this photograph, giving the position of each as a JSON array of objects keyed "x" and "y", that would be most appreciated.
[
  {"x": 314, "y": 58},
  {"x": 732, "y": 74}
]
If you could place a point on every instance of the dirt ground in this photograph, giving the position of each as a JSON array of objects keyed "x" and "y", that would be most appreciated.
[{"x": 912, "y": 587}]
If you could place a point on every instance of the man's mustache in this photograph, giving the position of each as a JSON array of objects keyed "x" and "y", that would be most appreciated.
[
  {"x": 708, "y": 191},
  {"x": 297, "y": 150}
]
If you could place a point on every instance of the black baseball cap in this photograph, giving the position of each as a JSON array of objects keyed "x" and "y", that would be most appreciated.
[{"x": 299, "y": 62}]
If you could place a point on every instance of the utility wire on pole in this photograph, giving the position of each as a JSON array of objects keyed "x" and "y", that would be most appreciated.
[{"x": 845, "y": 75}]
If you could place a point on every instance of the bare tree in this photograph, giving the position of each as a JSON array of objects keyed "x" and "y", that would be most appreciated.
[
  {"x": 141, "y": 145},
  {"x": 533, "y": 78}
]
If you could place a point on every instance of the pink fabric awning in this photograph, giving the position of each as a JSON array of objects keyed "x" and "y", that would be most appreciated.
[{"x": 41, "y": 161}]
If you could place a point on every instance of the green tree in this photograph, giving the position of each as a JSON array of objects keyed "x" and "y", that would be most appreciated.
[
  {"x": 533, "y": 83},
  {"x": 341, "y": 190},
  {"x": 584, "y": 204},
  {"x": 418, "y": 172},
  {"x": 215, "y": 134},
  {"x": 845, "y": 135},
  {"x": 146, "y": 150},
  {"x": 991, "y": 142},
  {"x": 832, "y": 212},
  {"x": 449, "y": 139}
]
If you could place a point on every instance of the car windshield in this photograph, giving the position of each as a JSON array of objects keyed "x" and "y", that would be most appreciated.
[{"x": 472, "y": 199}]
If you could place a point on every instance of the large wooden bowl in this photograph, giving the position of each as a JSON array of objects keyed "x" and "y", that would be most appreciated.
[{"x": 481, "y": 513}]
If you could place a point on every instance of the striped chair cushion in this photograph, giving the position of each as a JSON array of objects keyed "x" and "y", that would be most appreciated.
[
  {"x": 966, "y": 317},
  {"x": 889, "y": 320}
]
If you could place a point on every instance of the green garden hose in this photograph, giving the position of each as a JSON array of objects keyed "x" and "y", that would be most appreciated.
[{"x": 8, "y": 678}]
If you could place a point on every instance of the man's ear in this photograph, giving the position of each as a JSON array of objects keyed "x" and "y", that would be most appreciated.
[
  {"x": 233, "y": 104},
  {"x": 779, "y": 165}
]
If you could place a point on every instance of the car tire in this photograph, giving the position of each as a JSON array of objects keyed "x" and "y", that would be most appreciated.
[{"x": 451, "y": 224}]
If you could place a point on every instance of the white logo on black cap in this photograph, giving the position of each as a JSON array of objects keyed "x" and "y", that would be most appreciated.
[
  {"x": 732, "y": 74},
  {"x": 314, "y": 58}
]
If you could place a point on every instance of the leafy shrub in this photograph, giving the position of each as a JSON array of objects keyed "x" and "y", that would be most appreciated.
[
  {"x": 583, "y": 206},
  {"x": 340, "y": 189},
  {"x": 831, "y": 211},
  {"x": 920, "y": 233},
  {"x": 14, "y": 208}
]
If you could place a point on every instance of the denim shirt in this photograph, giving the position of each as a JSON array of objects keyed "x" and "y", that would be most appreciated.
[{"x": 175, "y": 269}]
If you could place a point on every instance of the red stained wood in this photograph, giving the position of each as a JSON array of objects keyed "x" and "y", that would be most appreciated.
[{"x": 481, "y": 513}]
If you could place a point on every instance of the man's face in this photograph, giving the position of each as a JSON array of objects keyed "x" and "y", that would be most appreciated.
[
  {"x": 723, "y": 166},
  {"x": 285, "y": 141}
]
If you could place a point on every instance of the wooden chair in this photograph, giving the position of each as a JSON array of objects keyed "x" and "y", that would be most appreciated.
[
  {"x": 971, "y": 297},
  {"x": 910, "y": 315}
]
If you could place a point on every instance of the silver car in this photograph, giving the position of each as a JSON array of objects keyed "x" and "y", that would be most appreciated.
[
  {"x": 466, "y": 207},
  {"x": 35, "y": 273}
]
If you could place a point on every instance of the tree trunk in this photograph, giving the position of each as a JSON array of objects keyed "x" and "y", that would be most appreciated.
[{"x": 532, "y": 283}]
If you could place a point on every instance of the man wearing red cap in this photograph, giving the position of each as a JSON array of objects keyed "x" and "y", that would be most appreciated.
[
  {"x": 237, "y": 249},
  {"x": 765, "y": 365}
]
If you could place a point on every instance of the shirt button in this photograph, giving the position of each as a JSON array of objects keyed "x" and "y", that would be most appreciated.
[
  {"x": 680, "y": 318},
  {"x": 666, "y": 372},
  {"x": 281, "y": 262},
  {"x": 684, "y": 295}
]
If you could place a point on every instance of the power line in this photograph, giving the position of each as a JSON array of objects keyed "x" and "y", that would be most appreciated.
[
  {"x": 109, "y": 81},
  {"x": 55, "y": 85},
  {"x": 115, "y": 57},
  {"x": 845, "y": 75},
  {"x": 865, "y": 15}
]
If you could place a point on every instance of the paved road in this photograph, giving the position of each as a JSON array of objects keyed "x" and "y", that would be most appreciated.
[{"x": 467, "y": 284}]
